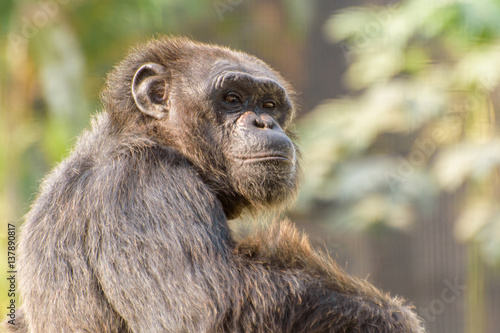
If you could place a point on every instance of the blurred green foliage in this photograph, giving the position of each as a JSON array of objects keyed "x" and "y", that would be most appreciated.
[{"x": 422, "y": 121}]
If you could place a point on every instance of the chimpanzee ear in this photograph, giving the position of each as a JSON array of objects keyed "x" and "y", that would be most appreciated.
[{"x": 150, "y": 89}]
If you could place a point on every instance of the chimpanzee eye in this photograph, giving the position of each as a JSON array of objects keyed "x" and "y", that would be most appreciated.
[
  {"x": 231, "y": 98},
  {"x": 269, "y": 105}
]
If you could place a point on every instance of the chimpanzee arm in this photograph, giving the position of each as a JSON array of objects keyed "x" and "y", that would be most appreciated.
[{"x": 163, "y": 247}]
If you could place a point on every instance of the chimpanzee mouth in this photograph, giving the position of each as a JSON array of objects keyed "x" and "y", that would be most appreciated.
[{"x": 265, "y": 158}]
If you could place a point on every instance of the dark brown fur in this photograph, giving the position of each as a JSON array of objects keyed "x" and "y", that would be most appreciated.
[{"x": 130, "y": 232}]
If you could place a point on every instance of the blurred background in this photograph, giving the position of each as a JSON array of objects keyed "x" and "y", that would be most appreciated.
[{"x": 399, "y": 121}]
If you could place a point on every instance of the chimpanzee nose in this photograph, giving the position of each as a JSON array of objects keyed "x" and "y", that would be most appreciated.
[{"x": 250, "y": 119}]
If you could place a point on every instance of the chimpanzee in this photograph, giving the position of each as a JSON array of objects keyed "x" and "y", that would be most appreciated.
[{"x": 130, "y": 232}]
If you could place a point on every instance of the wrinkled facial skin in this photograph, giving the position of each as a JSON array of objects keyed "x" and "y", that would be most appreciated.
[{"x": 262, "y": 160}]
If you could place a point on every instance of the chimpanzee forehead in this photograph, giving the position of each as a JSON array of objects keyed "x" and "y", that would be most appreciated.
[
  {"x": 255, "y": 69},
  {"x": 231, "y": 79},
  {"x": 223, "y": 70}
]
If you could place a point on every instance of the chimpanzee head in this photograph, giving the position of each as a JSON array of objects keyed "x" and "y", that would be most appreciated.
[{"x": 226, "y": 112}]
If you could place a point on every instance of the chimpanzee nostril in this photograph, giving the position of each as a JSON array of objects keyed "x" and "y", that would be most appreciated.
[
  {"x": 259, "y": 123},
  {"x": 262, "y": 123}
]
